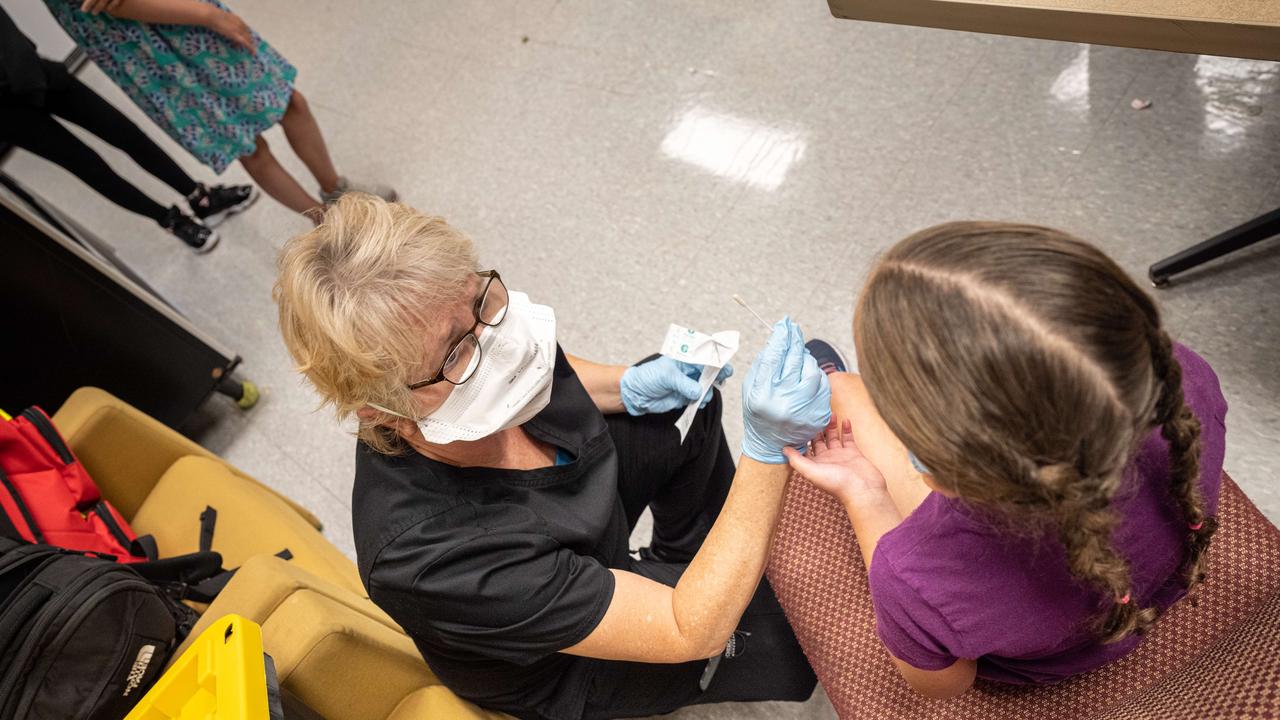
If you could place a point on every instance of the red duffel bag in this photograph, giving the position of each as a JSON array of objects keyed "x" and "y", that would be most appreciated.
[{"x": 48, "y": 497}]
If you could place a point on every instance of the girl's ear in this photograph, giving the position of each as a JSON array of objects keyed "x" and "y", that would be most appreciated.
[{"x": 367, "y": 414}]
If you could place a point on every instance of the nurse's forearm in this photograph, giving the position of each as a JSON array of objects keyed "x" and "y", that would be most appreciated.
[
  {"x": 602, "y": 382},
  {"x": 172, "y": 12},
  {"x": 718, "y": 585}
]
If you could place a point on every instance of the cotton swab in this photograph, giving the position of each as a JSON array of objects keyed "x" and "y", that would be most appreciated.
[{"x": 738, "y": 299}]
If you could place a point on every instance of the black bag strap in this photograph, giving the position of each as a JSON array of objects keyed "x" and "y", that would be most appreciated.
[
  {"x": 294, "y": 708},
  {"x": 182, "y": 569},
  {"x": 184, "y": 617},
  {"x": 145, "y": 546},
  {"x": 178, "y": 576},
  {"x": 15, "y": 552},
  {"x": 206, "y": 590},
  {"x": 275, "y": 706},
  {"x": 22, "y": 506},
  {"x": 140, "y": 547},
  {"x": 44, "y": 426},
  {"x": 8, "y": 531},
  {"x": 208, "y": 520}
]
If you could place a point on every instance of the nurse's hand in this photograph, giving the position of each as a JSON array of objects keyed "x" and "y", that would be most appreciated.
[
  {"x": 663, "y": 385},
  {"x": 786, "y": 398}
]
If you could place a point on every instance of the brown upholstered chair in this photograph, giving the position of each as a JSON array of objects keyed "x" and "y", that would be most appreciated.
[{"x": 1217, "y": 659}]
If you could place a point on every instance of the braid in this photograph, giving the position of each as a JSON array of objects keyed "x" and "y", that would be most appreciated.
[
  {"x": 1181, "y": 429},
  {"x": 1085, "y": 521}
]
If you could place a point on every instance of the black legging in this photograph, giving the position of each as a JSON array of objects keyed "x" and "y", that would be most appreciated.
[
  {"x": 685, "y": 485},
  {"x": 35, "y": 130}
]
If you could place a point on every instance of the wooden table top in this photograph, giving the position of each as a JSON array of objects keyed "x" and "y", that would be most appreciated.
[{"x": 1234, "y": 28}]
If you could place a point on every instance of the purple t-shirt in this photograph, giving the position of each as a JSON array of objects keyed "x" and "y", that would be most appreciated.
[{"x": 946, "y": 584}]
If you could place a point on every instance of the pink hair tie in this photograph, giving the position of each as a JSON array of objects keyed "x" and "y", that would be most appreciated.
[
  {"x": 1196, "y": 527},
  {"x": 1124, "y": 600}
]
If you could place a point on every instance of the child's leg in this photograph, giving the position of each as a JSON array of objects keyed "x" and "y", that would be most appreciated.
[
  {"x": 90, "y": 111},
  {"x": 303, "y": 133},
  {"x": 849, "y": 400},
  {"x": 36, "y": 131},
  {"x": 275, "y": 181}
]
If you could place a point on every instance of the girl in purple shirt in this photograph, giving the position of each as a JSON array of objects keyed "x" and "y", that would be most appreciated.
[{"x": 1029, "y": 462}]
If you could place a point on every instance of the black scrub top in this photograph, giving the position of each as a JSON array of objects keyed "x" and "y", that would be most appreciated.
[{"x": 493, "y": 571}]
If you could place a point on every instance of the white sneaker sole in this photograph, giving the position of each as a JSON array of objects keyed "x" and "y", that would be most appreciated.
[
  {"x": 843, "y": 360},
  {"x": 210, "y": 244},
  {"x": 216, "y": 219}
]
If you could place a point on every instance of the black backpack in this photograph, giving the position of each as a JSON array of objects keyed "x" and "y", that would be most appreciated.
[{"x": 80, "y": 636}]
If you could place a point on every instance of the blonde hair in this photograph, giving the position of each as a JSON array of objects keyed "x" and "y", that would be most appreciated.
[
  {"x": 355, "y": 295},
  {"x": 1024, "y": 368}
]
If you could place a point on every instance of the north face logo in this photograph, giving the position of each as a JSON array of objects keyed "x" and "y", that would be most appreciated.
[{"x": 139, "y": 669}]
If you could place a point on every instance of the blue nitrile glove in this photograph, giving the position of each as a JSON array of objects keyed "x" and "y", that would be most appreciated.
[
  {"x": 663, "y": 385},
  {"x": 786, "y": 398}
]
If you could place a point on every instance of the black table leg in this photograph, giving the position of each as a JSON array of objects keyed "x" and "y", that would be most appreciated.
[{"x": 1241, "y": 236}]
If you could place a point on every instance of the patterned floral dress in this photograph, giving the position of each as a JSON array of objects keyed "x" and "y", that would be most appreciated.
[{"x": 211, "y": 96}]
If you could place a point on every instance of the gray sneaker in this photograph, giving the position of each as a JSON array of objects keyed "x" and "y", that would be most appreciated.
[
  {"x": 830, "y": 359},
  {"x": 345, "y": 186}
]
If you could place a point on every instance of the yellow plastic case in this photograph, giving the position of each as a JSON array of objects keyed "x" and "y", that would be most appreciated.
[{"x": 222, "y": 676}]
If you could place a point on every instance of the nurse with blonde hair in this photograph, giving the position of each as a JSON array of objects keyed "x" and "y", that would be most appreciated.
[{"x": 498, "y": 480}]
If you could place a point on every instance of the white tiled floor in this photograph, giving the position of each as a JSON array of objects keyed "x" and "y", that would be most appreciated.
[{"x": 635, "y": 163}]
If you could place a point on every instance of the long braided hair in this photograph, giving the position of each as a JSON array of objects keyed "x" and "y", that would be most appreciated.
[{"x": 1025, "y": 368}]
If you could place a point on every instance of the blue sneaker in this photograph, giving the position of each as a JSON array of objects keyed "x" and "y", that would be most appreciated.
[{"x": 828, "y": 357}]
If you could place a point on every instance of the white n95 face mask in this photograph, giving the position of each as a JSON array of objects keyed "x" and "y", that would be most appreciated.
[{"x": 511, "y": 384}]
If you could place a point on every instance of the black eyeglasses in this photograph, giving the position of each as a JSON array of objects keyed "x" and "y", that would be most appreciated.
[{"x": 464, "y": 355}]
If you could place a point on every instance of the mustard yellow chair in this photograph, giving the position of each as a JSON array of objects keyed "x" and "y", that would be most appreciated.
[
  {"x": 333, "y": 648},
  {"x": 335, "y": 651},
  {"x": 161, "y": 481}
]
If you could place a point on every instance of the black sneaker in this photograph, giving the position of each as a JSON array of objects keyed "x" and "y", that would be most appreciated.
[
  {"x": 828, "y": 357},
  {"x": 190, "y": 231},
  {"x": 212, "y": 205}
]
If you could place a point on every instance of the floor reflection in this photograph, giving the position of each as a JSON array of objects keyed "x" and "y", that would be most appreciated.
[
  {"x": 734, "y": 148},
  {"x": 1235, "y": 92}
]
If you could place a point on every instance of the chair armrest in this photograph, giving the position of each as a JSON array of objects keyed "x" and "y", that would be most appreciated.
[
  {"x": 126, "y": 451},
  {"x": 264, "y": 582},
  {"x": 340, "y": 662},
  {"x": 336, "y": 651}
]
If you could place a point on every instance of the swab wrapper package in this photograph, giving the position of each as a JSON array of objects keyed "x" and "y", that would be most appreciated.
[{"x": 712, "y": 352}]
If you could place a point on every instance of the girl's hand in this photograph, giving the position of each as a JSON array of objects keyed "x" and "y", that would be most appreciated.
[
  {"x": 838, "y": 468},
  {"x": 230, "y": 26}
]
